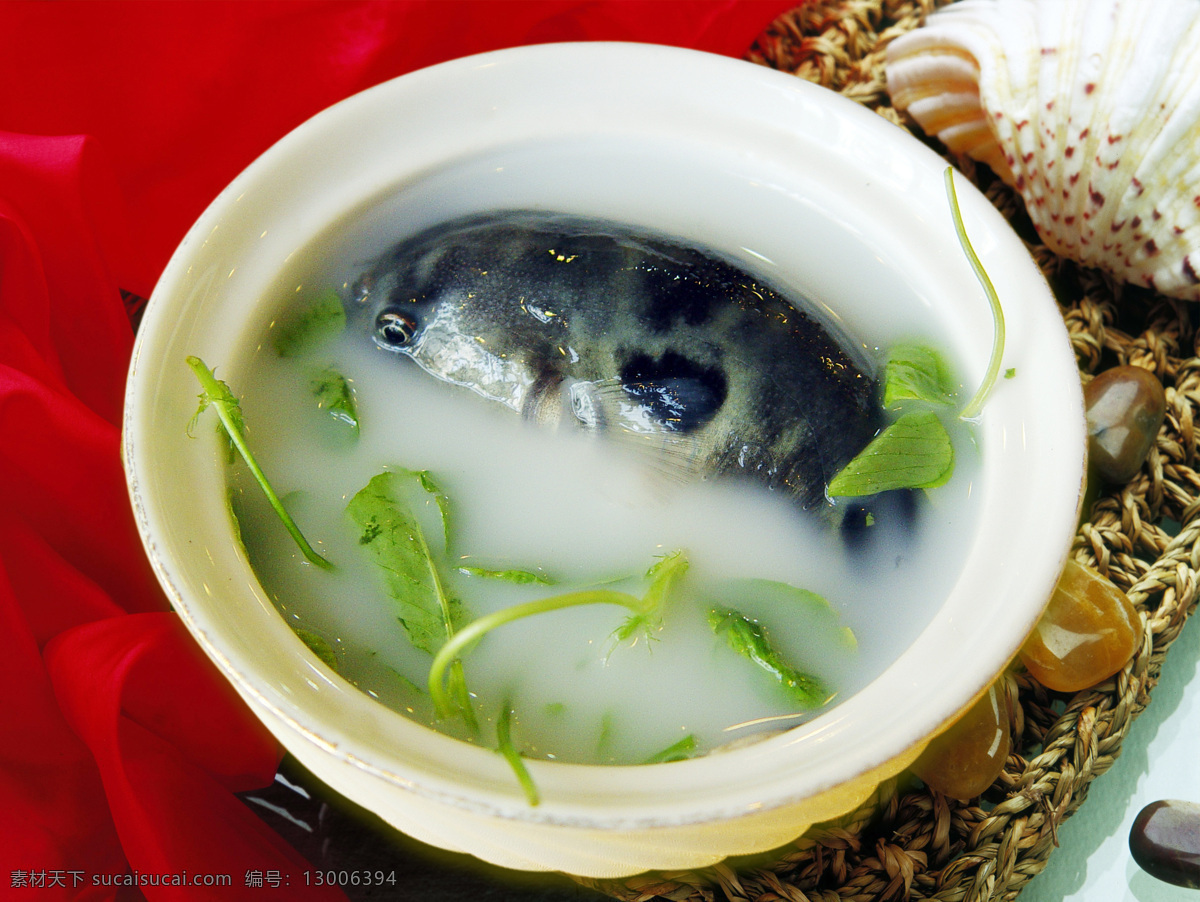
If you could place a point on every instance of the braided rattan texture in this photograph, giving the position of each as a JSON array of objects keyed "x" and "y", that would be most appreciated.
[{"x": 1145, "y": 536}]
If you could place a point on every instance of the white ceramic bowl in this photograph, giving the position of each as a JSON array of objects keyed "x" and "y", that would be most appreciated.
[{"x": 744, "y": 159}]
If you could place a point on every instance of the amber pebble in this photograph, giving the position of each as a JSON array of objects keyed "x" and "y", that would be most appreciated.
[
  {"x": 967, "y": 757},
  {"x": 1165, "y": 842},
  {"x": 1125, "y": 409},
  {"x": 1087, "y": 633}
]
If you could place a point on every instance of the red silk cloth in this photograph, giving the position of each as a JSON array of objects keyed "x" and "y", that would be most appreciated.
[{"x": 121, "y": 747}]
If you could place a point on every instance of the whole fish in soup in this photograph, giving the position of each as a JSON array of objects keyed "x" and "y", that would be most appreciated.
[{"x": 665, "y": 348}]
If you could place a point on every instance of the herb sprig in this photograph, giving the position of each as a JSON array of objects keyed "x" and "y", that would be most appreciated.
[
  {"x": 392, "y": 536},
  {"x": 914, "y": 451},
  {"x": 217, "y": 394},
  {"x": 333, "y": 394},
  {"x": 516, "y": 761},
  {"x": 750, "y": 640},
  {"x": 975, "y": 405},
  {"x": 308, "y": 325},
  {"x": 645, "y": 616},
  {"x": 677, "y": 751}
]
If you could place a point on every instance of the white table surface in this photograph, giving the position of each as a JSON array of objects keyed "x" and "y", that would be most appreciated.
[{"x": 1160, "y": 759}]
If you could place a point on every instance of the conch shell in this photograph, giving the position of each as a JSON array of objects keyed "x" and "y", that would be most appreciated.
[{"x": 1089, "y": 108}]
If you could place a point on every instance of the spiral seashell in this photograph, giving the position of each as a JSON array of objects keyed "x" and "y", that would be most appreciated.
[{"x": 1089, "y": 108}]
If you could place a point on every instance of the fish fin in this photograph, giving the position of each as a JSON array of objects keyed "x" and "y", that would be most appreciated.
[
  {"x": 628, "y": 420},
  {"x": 675, "y": 404},
  {"x": 672, "y": 457}
]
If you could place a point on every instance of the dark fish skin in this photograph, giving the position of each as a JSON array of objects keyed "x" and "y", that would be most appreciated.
[{"x": 573, "y": 320}]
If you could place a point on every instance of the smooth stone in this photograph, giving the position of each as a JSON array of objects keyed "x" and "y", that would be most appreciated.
[
  {"x": 966, "y": 758},
  {"x": 1089, "y": 631},
  {"x": 1165, "y": 842},
  {"x": 1125, "y": 408}
]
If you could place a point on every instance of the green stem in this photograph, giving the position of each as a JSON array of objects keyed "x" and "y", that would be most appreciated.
[
  {"x": 213, "y": 388},
  {"x": 476, "y": 629},
  {"x": 975, "y": 405},
  {"x": 512, "y": 756},
  {"x": 458, "y": 679},
  {"x": 677, "y": 751},
  {"x": 438, "y": 588}
]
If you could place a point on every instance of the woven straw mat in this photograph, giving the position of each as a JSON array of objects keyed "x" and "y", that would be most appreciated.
[{"x": 1143, "y": 536}]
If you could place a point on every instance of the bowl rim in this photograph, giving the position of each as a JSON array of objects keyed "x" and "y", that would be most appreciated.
[{"x": 629, "y": 797}]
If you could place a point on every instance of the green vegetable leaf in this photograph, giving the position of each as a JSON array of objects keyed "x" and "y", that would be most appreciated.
[
  {"x": 664, "y": 575},
  {"x": 811, "y": 613},
  {"x": 391, "y": 534},
  {"x": 232, "y": 502},
  {"x": 217, "y": 394},
  {"x": 608, "y": 730},
  {"x": 308, "y": 325},
  {"x": 459, "y": 697},
  {"x": 334, "y": 395},
  {"x": 512, "y": 756},
  {"x": 677, "y": 751},
  {"x": 407, "y": 684},
  {"x": 319, "y": 646},
  {"x": 750, "y": 641},
  {"x": 440, "y": 498},
  {"x": 916, "y": 373},
  {"x": 517, "y": 577},
  {"x": 914, "y": 452}
]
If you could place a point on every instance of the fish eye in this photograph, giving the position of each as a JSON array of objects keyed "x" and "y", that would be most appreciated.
[{"x": 395, "y": 328}]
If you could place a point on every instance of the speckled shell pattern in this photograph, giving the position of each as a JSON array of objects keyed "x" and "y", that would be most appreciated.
[{"x": 1089, "y": 108}]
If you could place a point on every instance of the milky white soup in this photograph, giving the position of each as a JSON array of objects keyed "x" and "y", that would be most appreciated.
[{"x": 583, "y": 511}]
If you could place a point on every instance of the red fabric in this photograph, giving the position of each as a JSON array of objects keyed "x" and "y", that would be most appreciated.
[
  {"x": 184, "y": 95},
  {"x": 121, "y": 745}
]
